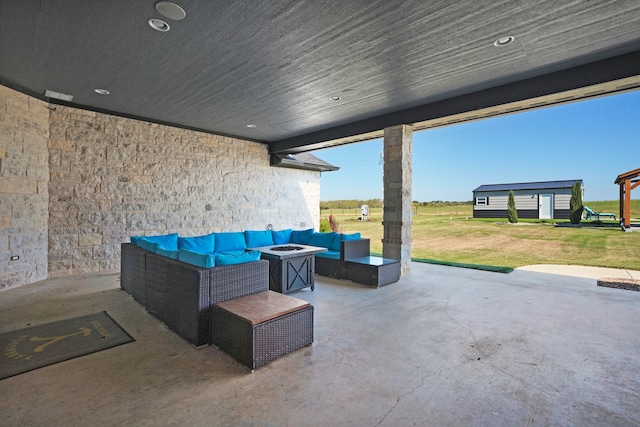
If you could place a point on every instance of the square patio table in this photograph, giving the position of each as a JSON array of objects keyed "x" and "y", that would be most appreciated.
[{"x": 291, "y": 266}]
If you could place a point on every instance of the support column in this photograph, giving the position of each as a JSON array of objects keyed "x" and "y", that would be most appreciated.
[
  {"x": 398, "y": 159},
  {"x": 627, "y": 203}
]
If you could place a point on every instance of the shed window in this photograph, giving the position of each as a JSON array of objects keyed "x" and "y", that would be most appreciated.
[{"x": 482, "y": 201}]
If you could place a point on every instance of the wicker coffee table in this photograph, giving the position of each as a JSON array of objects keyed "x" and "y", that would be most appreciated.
[{"x": 259, "y": 328}]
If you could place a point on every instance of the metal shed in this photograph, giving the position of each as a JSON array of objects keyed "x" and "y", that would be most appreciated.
[{"x": 544, "y": 200}]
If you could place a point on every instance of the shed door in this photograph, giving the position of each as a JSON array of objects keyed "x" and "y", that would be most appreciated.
[{"x": 545, "y": 206}]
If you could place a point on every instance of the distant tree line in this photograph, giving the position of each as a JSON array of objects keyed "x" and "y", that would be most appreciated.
[
  {"x": 350, "y": 204},
  {"x": 377, "y": 203}
]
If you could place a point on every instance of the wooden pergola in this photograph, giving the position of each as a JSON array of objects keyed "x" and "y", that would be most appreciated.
[{"x": 627, "y": 181}]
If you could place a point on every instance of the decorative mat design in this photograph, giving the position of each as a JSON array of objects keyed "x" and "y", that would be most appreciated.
[{"x": 43, "y": 345}]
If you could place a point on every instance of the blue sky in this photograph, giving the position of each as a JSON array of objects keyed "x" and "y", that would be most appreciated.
[{"x": 593, "y": 140}]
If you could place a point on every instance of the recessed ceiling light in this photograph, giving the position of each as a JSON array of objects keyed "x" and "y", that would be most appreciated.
[
  {"x": 335, "y": 98},
  {"x": 170, "y": 10},
  {"x": 252, "y": 126},
  {"x": 57, "y": 95},
  {"x": 504, "y": 41},
  {"x": 159, "y": 25},
  {"x": 102, "y": 91}
]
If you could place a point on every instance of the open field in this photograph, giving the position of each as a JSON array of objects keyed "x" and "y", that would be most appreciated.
[{"x": 450, "y": 234}]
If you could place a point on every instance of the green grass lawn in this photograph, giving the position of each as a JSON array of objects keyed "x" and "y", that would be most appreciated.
[{"x": 451, "y": 235}]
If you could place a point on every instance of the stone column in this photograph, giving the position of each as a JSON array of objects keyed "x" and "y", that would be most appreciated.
[{"x": 398, "y": 158}]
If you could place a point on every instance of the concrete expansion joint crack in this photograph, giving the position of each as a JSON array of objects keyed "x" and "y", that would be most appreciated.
[{"x": 398, "y": 399}]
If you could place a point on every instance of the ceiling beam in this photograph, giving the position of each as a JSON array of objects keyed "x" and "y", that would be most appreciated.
[{"x": 595, "y": 73}]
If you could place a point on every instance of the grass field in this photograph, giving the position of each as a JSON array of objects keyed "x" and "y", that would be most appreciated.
[{"x": 451, "y": 235}]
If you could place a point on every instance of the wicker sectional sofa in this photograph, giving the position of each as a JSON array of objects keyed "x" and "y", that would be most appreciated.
[
  {"x": 179, "y": 279},
  {"x": 180, "y": 294}
]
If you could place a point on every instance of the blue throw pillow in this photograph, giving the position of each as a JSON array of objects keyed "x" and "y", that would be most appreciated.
[
  {"x": 237, "y": 259},
  {"x": 323, "y": 240},
  {"x": 134, "y": 239},
  {"x": 257, "y": 238},
  {"x": 168, "y": 254},
  {"x": 199, "y": 260},
  {"x": 148, "y": 245},
  {"x": 234, "y": 241},
  {"x": 166, "y": 241},
  {"x": 281, "y": 237},
  {"x": 201, "y": 244},
  {"x": 302, "y": 237}
]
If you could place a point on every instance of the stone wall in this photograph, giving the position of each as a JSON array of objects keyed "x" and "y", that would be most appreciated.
[
  {"x": 75, "y": 184},
  {"x": 24, "y": 129},
  {"x": 113, "y": 177}
]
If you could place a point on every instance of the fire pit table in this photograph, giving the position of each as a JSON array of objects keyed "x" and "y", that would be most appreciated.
[{"x": 291, "y": 266}]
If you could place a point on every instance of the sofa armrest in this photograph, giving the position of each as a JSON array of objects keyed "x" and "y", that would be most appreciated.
[
  {"x": 238, "y": 280},
  {"x": 350, "y": 249},
  {"x": 133, "y": 270},
  {"x": 187, "y": 307}
]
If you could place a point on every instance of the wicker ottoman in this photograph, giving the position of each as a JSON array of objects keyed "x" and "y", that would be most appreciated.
[{"x": 259, "y": 328}]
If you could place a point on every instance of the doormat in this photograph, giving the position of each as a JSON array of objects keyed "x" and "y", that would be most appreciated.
[{"x": 38, "y": 346}]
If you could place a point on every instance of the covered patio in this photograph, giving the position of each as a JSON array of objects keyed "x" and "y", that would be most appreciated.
[
  {"x": 112, "y": 127},
  {"x": 444, "y": 346}
]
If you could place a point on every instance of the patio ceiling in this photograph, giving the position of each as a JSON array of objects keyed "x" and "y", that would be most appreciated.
[{"x": 277, "y": 65}]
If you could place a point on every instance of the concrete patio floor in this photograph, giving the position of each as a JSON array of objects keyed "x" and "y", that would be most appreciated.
[{"x": 444, "y": 347}]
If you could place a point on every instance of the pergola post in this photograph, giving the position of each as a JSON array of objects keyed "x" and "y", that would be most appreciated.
[
  {"x": 627, "y": 182},
  {"x": 621, "y": 202},
  {"x": 627, "y": 203},
  {"x": 398, "y": 159}
]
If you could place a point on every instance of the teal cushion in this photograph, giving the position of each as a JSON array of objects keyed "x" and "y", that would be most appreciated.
[
  {"x": 199, "y": 260},
  {"x": 301, "y": 237},
  {"x": 238, "y": 258},
  {"x": 234, "y": 241},
  {"x": 353, "y": 236},
  {"x": 323, "y": 240},
  {"x": 201, "y": 244},
  {"x": 335, "y": 244},
  {"x": 329, "y": 254},
  {"x": 147, "y": 245},
  {"x": 230, "y": 252},
  {"x": 134, "y": 239},
  {"x": 168, "y": 254},
  {"x": 166, "y": 241},
  {"x": 257, "y": 238},
  {"x": 281, "y": 237}
]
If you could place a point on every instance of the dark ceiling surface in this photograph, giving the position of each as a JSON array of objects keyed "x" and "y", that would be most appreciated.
[{"x": 276, "y": 64}]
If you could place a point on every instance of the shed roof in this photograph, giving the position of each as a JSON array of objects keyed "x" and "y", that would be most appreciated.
[{"x": 528, "y": 185}]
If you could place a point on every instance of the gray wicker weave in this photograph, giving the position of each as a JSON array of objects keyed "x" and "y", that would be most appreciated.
[
  {"x": 257, "y": 344},
  {"x": 187, "y": 306},
  {"x": 349, "y": 249},
  {"x": 181, "y": 294},
  {"x": 156, "y": 285},
  {"x": 239, "y": 280},
  {"x": 133, "y": 268}
]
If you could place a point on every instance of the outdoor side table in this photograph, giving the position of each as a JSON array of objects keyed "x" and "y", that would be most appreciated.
[
  {"x": 373, "y": 270},
  {"x": 259, "y": 328}
]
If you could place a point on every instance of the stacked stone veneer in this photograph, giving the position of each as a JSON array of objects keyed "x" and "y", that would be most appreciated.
[
  {"x": 398, "y": 148},
  {"x": 110, "y": 178},
  {"x": 24, "y": 174}
]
